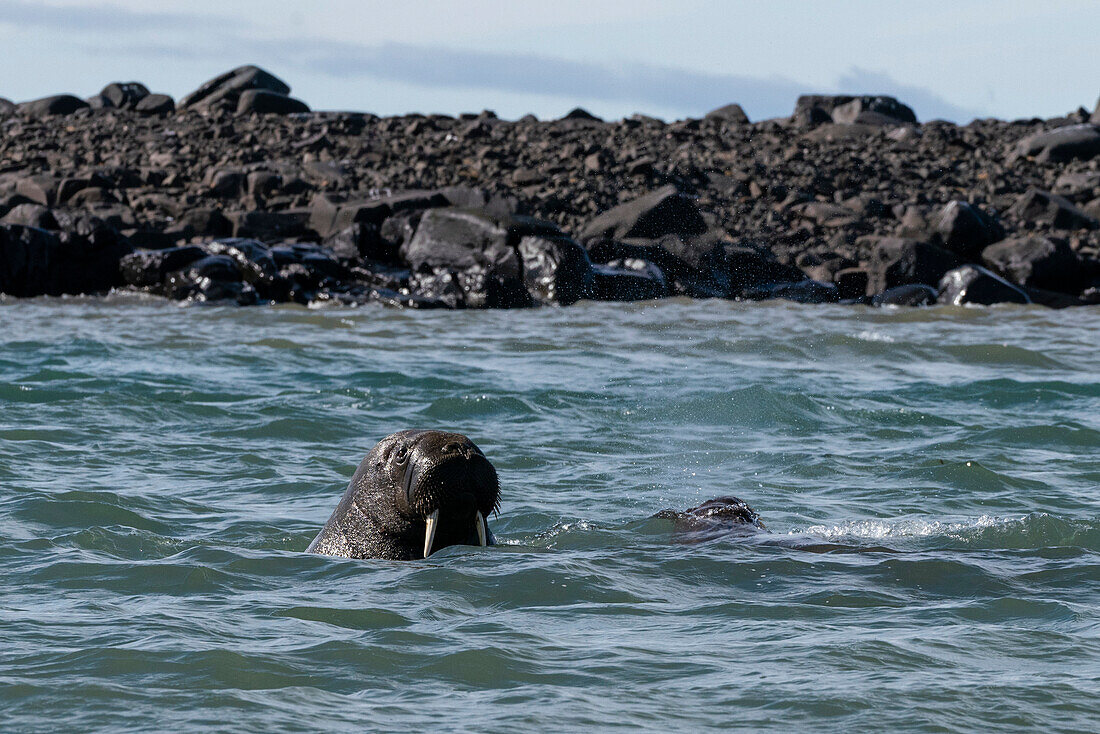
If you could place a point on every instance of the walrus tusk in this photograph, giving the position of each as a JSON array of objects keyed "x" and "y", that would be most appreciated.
[
  {"x": 429, "y": 532},
  {"x": 479, "y": 520}
]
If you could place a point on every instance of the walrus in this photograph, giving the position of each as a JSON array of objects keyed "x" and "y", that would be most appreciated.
[
  {"x": 729, "y": 516},
  {"x": 416, "y": 492}
]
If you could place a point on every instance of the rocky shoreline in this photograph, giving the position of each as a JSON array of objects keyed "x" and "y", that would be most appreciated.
[{"x": 237, "y": 192}]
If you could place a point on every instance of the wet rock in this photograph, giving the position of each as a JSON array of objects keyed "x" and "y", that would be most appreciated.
[
  {"x": 556, "y": 270},
  {"x": 1043, "y": 206},
  {"x": 149, "y": 268},
  {"x": 975, "y": 284},
  {"x": 61, "y": 104},
  {"x": 35, "y": 262},
  {"x": 662, "y": 212},
  {"x": 628, "y": 280},
  {"x": 851, "y": 283},
  {"x": 264, "y": 102},
  {"x": 1062, "y": 144},
  {"x": 226, "y": 89},
  {"x": 1038, "y": 262},
  {"x": 896, "y": 261},
  {"x": 803, "y": 291},
  {"x": 914, "y": 294},
  {"x": 209, "y": 279}
]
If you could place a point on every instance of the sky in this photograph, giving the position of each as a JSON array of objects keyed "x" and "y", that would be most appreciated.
[{"x": 949, "y": 59}]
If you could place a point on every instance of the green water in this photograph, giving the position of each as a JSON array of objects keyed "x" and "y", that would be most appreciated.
[{"x": 162, "y": 468}]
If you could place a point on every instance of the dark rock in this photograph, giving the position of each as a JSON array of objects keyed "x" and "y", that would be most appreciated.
[
  {"x": 441, "y": 287},
  {"x": 61, "y": 104},
  {"x": 966, "y": 230},
  {"x": 803, "y": 291},
  {"x": 749, "y": 265},
  {"x": 457, "y": 239},
  {"x": 975, "y": 284},
  {"x": 845, "y": 109},
  {"x": 362, "y": 242},
  {"x": 124, "y": 95},
  {"x": 628, "y": 280},
  {"x": 262, "y": 101},
  {"x": 270, "y": 226},
  {"x": 7, "y": 107},
  {"x": 1038, "y": 262},
  {"x": 1062, "y": 144},
  {"x": 148, "y": 268},
  {"x": 896, "y": 261},
  {"x": 730, "y": 113},
  {"x": 155, "y": 104},
  {"x": 851, "y": 283},
  {"x": 225, "y": 90},
  {"x": 1043, "y": 206},
  {"x": 914, "y": 294},
  {"x": 555, "y": 270},
  {"x": 662, "y": 212},
  {"x": 255, "y": 264},
  {"x": 35, "y": 262},
  {"x": 209, "y": 279},
  {"x": 40, "y": 189},
  {"x": 31, "y": 215},
  {"x": 579, "y": 113}
]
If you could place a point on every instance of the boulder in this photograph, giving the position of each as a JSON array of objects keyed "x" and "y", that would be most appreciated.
[
  {"x": 814, "y": 109},
  {"x": 155, "y": 104},
  {"x": 271, "y": 226},
  {"x": 35, "y": 262},
  {"x": 750, "y": 265},
  {"x": 914, "y": 294},
  {"x": 556, "y": 270},
  {"x": 628, "y": 280},
  {"x": 582, "y": 115},
  {"x": 966, "y": 230},
  {"x": 729, "y": 113},
  {"x": 1061, "y": 144},
  {"x": 896, "y": 261},
  {"x": 31, "y": 215},
  {"x": 149, "y": 268},
  {"x": 1042, "y": 206},
  {"x": 208, "y": 279},
  {"x": 224, "y": 91},
  {"x": 61, "y": 104},
  {"x": 658, "y": 213},
  {"x": 479, "y": 248},
  {"x": 264, "y": 102},
  {"x": 124, "y": 95},
  {"x": 1038, "y": 262},
  {"x": 7, "y": 107},
  {"x": 975, "y": 284},
  {"x": 803, "y": 291}
]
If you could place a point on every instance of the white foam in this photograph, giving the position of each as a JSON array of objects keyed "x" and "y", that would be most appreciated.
[
  {"x": 875, "y": 336},
  {"x": 908, "y": 528}
]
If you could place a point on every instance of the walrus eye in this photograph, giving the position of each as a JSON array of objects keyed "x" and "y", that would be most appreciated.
[{"x": 402, "y": 455}]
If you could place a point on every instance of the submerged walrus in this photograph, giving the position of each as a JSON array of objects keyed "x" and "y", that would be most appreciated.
[{"x": 415, "y": 493}]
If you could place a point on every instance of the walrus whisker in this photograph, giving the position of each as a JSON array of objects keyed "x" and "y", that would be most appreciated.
[
  {"x": 430, "y": 526},
  {"x": 482, "y": 535}
]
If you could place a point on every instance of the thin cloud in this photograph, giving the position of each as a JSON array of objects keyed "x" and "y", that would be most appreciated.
[{"x": 100, "y": 17}]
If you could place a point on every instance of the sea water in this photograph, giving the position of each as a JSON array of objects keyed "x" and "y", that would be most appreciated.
[{"x": 162, "y": 468}]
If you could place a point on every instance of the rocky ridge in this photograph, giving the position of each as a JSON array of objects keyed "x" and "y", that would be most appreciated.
[{"x": 239, "y": 192}]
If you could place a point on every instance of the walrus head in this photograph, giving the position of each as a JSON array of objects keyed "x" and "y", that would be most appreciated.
[
  {"x": 714, "y": 518},
  {"x": 416, "y": 492}
]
